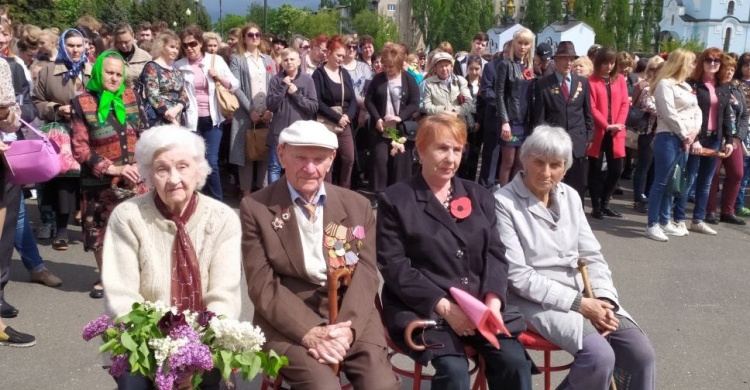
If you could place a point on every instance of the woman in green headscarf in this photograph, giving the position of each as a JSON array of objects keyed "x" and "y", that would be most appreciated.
[{"x": 106, "y": 123}]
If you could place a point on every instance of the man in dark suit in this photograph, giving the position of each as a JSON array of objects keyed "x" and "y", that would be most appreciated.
[
  {"x": 294, "y": 232},
  {"x": 563, "y": 99},
  {"x": 490, "y": 125}
]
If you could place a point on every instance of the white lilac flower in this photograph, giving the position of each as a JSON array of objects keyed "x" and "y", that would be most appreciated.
[
  {"x": 163, "y": 348},
  {"x": 237, "y": 336},
  {"x": 159, "y": 307}
]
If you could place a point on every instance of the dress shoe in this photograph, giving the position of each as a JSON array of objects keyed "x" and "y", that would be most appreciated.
[
  {"x": 611, "y": 213},
  {"x": 711, "y": 218},
  {"x": 96, "y": 293},
  {"x": 7, "y": 311},
  {"x": 60, "y": 244},
  {"x": 732, "y": 219},
  {"x": 597, "y": 214},
  {"x": 641, "y": 207},
  {"x": 46, "y": 278},
  {"x": 618, "y": 191}
]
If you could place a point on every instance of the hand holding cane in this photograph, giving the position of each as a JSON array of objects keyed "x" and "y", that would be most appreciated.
[
  {"x": 589, "y": 293},
  {"x": 335, "y": 275}
]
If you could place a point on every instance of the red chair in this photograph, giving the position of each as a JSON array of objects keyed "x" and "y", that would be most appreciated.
[{"x": 534, "y": 342}]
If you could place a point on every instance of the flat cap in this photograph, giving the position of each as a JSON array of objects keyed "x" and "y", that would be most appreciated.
[{"x": 308, "y": 133}]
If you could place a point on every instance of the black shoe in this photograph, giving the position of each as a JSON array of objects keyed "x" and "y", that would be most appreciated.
[
  {"x": 617, "y": 191},
  {"x": 641, "y": 207},
  {"x": 711, "y": 218},
  {"x": 597, "y": 214},
  {"x": 14, "y": 338},
  {"x": 733, "y": 219},
  {"x": 611, "y": 213},
  {"x": 7, "y": 310},
  {"x": 96, "y": 293}
]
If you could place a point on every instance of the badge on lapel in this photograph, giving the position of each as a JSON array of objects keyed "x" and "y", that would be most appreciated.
[
  {"x": 579, "y": 88},
  {"x": 342, "y": 245},
  {"x": 279, "y": 223}
]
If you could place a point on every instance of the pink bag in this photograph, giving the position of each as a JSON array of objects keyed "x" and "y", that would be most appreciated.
[
  {"x": 59, "y": 134},
  {"x": 32, "y": 161}
]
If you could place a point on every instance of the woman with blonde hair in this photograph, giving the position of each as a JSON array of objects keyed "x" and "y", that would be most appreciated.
[
  {"x": 583, "y": 67},
  {"x": 643, "y": 99},
  {"x": 678, "y": 123},
  {"x": 164, "y": 85},
  {"x": 512, "y": 79},
  {"x": 212, "y": 41}
]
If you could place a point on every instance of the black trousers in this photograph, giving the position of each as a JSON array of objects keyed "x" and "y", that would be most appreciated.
[
  {"x": 211, "y": 381},
  {"x": 576, "y": 176},
  {"x": 387, "y": 169},
  {"x": 11, "y": 202},
  {"x": 602, "y": 184},
  {"x": 509, "y": 367},
  {"x": 491, "y": 148}
]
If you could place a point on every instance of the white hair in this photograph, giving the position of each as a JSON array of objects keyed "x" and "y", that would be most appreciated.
[
  {"x": 160, "y": 139},
  {"x": 548, "y": 142}
]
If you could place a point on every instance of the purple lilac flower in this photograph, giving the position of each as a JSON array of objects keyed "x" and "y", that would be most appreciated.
[
  {"x": 96, "y": 327},
  {"x": 119, "y": 365},
  {"x": 164, "y": 381},
  {"x": 186, "y": 332}
]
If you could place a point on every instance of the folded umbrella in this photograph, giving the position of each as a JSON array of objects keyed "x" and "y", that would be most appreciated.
[{"x": 481, "y": 315}]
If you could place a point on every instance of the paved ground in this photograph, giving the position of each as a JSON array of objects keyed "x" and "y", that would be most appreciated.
[{"x": 687, "y": 294}]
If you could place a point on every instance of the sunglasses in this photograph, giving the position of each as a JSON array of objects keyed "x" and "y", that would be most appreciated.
[
  {"x": 352, "y": 47},
  {"x": 306, "y": 47},
  {"x": 192, "y": 44},
  {"x": 712, "y": 60},
  {"x": 253, "y": 35}
]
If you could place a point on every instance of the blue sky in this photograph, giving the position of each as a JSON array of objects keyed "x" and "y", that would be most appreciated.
[{"x": 239, "y": 7}]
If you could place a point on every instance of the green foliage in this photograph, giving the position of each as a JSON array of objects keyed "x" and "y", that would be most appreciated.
[
  {"x": 535, "y": 18},
  {"x": 486, "y": 15},
  {"x": 382, "y": 29},
  {"x": 604, "y": 36},
  {"x": 692, "y": 44},
  {"x": 466, "y": 14},
  {"x": 326, "y": 22},
  {"x": 555, "y": 11},
  {"x": 287, "y": 19},
  {"x": 651, "y": 17},
  {"x": 230, "y": 21},
  {"x": 617, "y": 21},
  {"x": 636, "y": 26},
  {"x": 431, "y": 16},
  {"x": 255, "y": 15}
]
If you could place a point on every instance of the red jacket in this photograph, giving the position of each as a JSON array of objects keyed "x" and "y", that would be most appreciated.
[{"x": 620, "y": 106}]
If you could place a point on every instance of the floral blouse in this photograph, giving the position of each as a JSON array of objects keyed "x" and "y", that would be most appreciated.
[{"x": 165, "y": 88}]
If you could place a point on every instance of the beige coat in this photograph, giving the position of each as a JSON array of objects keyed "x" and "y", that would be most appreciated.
[
  {"x": 677, "y": 108},
  {"x": 437, "y": 98},
  {"x": 134, "y": 67},
  {"x": 49, "y": 90}
]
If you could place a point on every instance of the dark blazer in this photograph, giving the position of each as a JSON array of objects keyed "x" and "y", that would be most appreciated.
[
  {"x": 574, "y": 115},
  {"x": 423, "y": 252},
  {"x": 510, "y": 94},
  {"x": 287, "y": 303},
  {"x": 325, "y": 97},
  {"x": 724, "y": 114},
  {"x": 22, "y": 89},
  {"x": 376, "y": 97}
]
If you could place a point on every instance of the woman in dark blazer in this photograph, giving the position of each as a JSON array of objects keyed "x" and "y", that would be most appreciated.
[
  {"x": 387, "y": 87},
  {"x": 436, "y": 231},
  {"x": 328, "y": 83}
]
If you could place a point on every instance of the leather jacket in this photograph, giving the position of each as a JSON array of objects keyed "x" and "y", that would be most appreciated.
[
  {"x": 511, "y": 96},
  {"x": 724, "y": 113}
]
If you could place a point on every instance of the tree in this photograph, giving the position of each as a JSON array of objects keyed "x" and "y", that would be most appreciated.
[
  {"x": 286, "y": 19},
  {"x": 430, "y": 16},
  {"x": 382, "y": 29},
  {"x": 616, "y": 21},
  {"x": 535, "y": 18},
  {"x": 651, "y": 18},
  {"x": 486, "y": 15},
  {"x": 230, "y": 21},
  {"x": 115, "y": 12},
  {"x": 692, "y": 44},
  {"x": 580, "y": 9},
  {"x": 636, "y": 25},
  {"x": 320, "y": 23},
  {"x": 462, "y": 24},
  {"x": 554, "y": 11}
]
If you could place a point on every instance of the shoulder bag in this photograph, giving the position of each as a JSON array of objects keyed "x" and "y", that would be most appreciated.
[
  {"x": 32, "y": 161},
  {"x": 329, "y": 124},
  {"x": 228, "y": 103}
]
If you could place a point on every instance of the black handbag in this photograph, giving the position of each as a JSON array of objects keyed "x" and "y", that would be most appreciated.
[{"x": 408, "y": 130}]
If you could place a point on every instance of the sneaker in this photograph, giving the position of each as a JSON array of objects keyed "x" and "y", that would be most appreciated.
[
  {"x": 45, "y": 231},
  {"x": 33, "y": 194},
  {"x": 14, "y": 338},
  {"x": 681, "y": 227},
  {"x": 641, "y": 207},
  {"x": 743, "y": 212},
  {"x": 46, "y": 278},
  {"x": 655, "y": 233},
  {"x": 671, "y": 229},
  {"x": 701, "y": 227}
]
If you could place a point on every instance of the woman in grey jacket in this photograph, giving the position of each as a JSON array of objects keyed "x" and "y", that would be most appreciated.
[
  {"x": 291, "y": 97},
  {"x": 254, "y": 71}
]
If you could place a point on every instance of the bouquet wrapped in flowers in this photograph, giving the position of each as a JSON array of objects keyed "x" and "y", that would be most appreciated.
[
  {"x": 397, "y": 141},
  {"x": 158, "y": 342}
]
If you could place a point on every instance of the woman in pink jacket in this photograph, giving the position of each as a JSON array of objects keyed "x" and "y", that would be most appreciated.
[{"x": 609, "y": 106}]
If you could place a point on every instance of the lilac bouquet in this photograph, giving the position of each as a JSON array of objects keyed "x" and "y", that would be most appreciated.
[{"x": 158, "y": 342}]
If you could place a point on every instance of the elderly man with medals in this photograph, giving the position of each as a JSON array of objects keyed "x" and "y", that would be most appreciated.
[{"x": 297, "y": 232}]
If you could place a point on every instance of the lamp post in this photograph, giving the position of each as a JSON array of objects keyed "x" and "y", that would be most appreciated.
[{"x": 221, "y": 21}]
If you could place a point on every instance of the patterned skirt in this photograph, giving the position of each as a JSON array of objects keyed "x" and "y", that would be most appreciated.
[{"x": 96, "y": 206}]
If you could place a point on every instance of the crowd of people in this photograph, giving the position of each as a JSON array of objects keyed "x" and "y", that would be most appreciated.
[{"x": 162, "y": 125}]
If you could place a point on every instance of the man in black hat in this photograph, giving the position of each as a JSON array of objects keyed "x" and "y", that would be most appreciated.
[
  {"x": 543, "y": 63},
  {"x": 562, "y": 99}
]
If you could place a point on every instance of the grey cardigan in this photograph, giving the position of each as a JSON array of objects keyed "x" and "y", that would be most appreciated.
[
  {"x": 286, "y": 108},
  {"x": 241, "y": 119}
]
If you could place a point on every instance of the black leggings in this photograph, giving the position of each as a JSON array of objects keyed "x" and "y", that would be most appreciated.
[{"x": 602, "y": 184}]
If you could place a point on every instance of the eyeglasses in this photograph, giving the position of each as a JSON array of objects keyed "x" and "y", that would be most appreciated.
[
  {"x": 712, "y": 60},
  {"x": 306, "y": 47},
  {"x": 192, "y": 44},
  {"x": 352, "y": 47},
  {"x": 253, "y": 35}
]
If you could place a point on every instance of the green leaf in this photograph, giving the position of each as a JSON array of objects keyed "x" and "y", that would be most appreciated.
[
  {"x": 256, "y": 364},
  {"x": 109, "y": 345},
  {"x": 145, "y": 355},
  {"x": 111, "y": 333},
  {"x": 245, "y": 359},
  {"x": 127, "y": 341},
  {"x": 133, "y": 361},
  {"x": 225, "y": 365}
]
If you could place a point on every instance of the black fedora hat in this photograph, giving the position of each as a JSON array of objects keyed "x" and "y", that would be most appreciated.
[{"x": 566, "y": 49}]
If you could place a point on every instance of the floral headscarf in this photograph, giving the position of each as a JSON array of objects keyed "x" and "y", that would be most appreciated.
[
  {"x": 74, "y": 68},
  {"x": 107, "y": 99}
]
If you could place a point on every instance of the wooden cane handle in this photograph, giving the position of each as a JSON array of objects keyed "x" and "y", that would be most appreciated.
[
  {"x": 424, "y": 324},
  {"x": 334, "y": 276}
]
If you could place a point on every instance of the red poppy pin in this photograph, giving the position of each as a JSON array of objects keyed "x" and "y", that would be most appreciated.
[
  {"x": 461, "y": 207},
  {"x": 268, "y": 68},
  {"x": 461, "y": 99},
  {"x": 528, "y": 74}
]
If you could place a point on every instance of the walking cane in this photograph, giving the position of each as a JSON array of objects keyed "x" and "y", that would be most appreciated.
[
  {"x": 590, "y": 294},
  {"x": 334, "y": 276}
]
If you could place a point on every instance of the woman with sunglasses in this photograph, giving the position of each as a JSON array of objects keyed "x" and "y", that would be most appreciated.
[
  {"x": 337, "y": 102},
  {"x": 200, "y": 72},
  {"x": 254, "y": 71},
  {"x": 360, "y": 72},
  {"x": 712, "y": 91}
]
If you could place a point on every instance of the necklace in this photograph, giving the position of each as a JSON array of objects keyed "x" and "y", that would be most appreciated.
[{"x": 448, "y": 199}]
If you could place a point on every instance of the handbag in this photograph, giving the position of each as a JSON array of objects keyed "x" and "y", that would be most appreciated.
[
  {"x": 228, "y": 103},
  {"x": 32, "y": 161},
  {"x": 631, "y": 139},
  {"x": 329, "y": 124},
  {"x": 678, "y": 177},
  {"x": 408, "y": 130},
  {"x": 255, "y": 144},
  {"x": 60, "y": 135}
]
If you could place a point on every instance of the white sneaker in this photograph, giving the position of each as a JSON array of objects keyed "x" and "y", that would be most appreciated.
[
  {"x": 681, "y": 226},
  {"x": 671, "y": 229},
  {"x": 655, "y": 233},
  {"x": 701, "y": 227}
]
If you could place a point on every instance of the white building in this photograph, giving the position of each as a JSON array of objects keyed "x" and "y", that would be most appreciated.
[
  {"x": 717, "y": 23},
  {"x": 499, "y": 35},
  {"x": 569, "y": 29}
]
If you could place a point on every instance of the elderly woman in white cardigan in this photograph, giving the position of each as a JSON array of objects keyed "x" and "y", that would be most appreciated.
[{"x": 543, "y": 226}]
